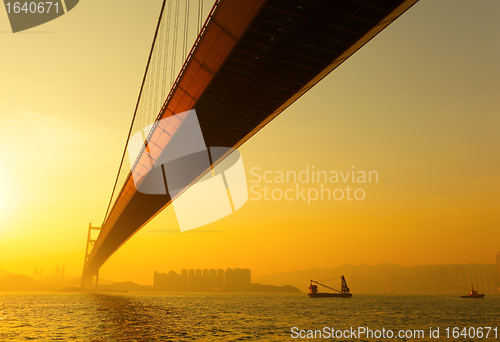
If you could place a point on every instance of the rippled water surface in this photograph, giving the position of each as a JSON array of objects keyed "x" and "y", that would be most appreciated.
[{"x": 228, "y": 317}]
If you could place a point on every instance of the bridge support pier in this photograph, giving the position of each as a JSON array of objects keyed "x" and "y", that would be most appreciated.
[
  {"x": 97, "y": 280},
  {"x": 87, "y": 281}
]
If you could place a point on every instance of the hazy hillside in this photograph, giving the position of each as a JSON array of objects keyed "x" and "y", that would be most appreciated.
[
  {"x": 126, "y": 286},
  {"x": 18, "y": 282},
  {"x": 387, "y": 278},
  {"x": 4, "y": 273}
]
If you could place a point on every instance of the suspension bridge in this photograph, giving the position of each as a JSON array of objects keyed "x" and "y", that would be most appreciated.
[{"x": 250, "y": 60}]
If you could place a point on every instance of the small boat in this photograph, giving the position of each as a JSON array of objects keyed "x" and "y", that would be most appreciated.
[
  {"x": 473, "y": 294},
  {"x": 343, "y": 293}
]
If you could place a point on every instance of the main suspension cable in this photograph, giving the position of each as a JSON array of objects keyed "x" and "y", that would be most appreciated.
[{"x": 136, "y": 107}]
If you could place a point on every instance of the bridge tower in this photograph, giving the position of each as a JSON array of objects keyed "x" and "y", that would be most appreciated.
[
  {"x": 60, "y": 271},
  {"x": 88, "y": 280},
  {"x": 39, "y": 273}
]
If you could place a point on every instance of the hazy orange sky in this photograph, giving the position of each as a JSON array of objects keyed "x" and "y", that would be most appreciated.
[{"x": 419, "y": 104}]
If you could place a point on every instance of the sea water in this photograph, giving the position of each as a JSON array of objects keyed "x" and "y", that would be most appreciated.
[{"x": 241, "y": 317}]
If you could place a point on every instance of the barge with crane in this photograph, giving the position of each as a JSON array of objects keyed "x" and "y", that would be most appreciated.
[{"x": 344, "y": 291}]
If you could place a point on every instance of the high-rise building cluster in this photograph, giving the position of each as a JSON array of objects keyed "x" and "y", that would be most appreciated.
[
  {"x": 203, "y": 280},
  {"x": 485, "y": 281}
]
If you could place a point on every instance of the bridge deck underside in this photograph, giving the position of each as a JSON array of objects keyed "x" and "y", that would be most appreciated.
[{"x": 251, "y": 63}]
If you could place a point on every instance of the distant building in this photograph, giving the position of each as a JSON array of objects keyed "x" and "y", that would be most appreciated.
[
  {"x": 460, "y": 277},
  {"x": 197, "y": 280},
  {"x": 158, "y": 280},
  {"x": 483, "y": 281},
  {"x": 242, "y": 278},
  {"x": 213, "y": 279},
  {"x": 184, "y": 278},
  {"x": 190, "y": 279},
  {"x": 206, "y": 280},
  {"x": 228, "y": 278},
  {"x": 167, "y": 282},
  {"x": 238, "y": 279},
  {"x": 220, "y": 278}
]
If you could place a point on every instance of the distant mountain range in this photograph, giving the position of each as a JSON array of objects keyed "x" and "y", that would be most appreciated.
[
  {"x": 392, "y": 278},
  {"x": 18, "y": 282},
  {"x": 4, "y": 273},
  {"x": 381, "y": 278}
]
